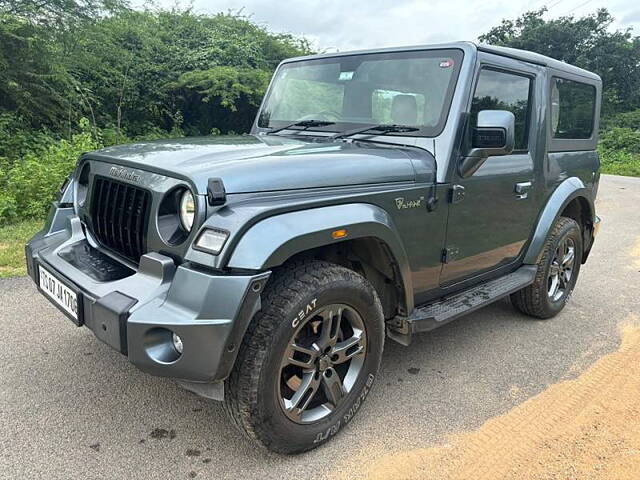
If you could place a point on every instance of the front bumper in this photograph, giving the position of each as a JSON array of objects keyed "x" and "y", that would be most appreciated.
[{"x": 136, "y": 314}]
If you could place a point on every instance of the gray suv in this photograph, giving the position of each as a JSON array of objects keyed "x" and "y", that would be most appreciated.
[{"x": 380, "y": 194}]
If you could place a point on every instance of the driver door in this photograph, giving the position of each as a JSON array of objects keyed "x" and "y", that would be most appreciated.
[{"x": 492, "y": 212}]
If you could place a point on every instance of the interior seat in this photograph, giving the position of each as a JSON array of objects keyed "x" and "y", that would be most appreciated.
[{"x": 404, "y": 110}]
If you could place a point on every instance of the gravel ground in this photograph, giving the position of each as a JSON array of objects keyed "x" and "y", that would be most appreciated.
[{"x": 70, "y": 407}]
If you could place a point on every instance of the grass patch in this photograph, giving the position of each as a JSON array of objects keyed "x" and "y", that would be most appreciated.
[{"x": 12, "y": 241}]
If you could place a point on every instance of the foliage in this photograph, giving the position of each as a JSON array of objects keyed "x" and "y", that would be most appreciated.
[
  {"x": 620, "y": 139},
  {"x": 12, "y": 241},
  {"x": 619, "y": 147},
  {"x": 587, "y": 42},
  {"x": 133, "y": 70},
  {"x": 30, "y": 185},
  {"x": 629, "y": 119},
  {"x": 620, "y": 163},
  {"x": 76, "y": 75}
]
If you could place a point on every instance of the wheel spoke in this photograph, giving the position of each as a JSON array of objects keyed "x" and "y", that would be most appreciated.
[
  {"x": 349, "y": 348},
  {"x": 562, "y": 247},
  {"x": 568, "y": 257},
  {"x": 301, "y": 356},
  {"x": 303, "y": 396},
  {"x": 330, "y": 327},
  {"x": 332, "y": 386},
  {"x": 555, "y": 284}
]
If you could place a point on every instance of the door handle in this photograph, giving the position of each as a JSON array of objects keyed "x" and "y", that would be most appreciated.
[{"x": 522, "y": 189}]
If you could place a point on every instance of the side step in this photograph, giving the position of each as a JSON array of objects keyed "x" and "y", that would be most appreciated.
[{"x": 434, "y": 315}]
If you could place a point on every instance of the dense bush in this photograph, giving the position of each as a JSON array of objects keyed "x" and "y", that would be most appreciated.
[
  {"x": 620, "y": 144},
  {"x": 620, "y": 163},
  {"x": 31, "y": 183},
  {"x": 620, "y": 139},
  {"x": 134, "y": 70},
  {"x": 76, "y": 75}
]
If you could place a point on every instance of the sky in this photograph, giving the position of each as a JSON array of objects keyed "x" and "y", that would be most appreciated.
[{"x": 341, "y": 25}]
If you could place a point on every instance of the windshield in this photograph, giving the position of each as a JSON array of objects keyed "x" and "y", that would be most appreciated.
[{"x": 398, "y": 88}]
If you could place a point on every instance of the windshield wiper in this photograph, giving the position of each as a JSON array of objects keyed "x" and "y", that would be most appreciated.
[
  {"x": 382, "y": 128},
  {"x": 303, "y": 123}
]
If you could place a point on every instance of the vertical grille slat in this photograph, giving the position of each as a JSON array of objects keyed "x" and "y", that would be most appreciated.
[
  {"x": 131, "y": 194},
  {"x": 97, "y": 193},
  {"x": 121, "y": 201},
  {"x": 119, "y": 217},
  {"x": 138, "y": 216},
  {"x": 113, "y": 193}
]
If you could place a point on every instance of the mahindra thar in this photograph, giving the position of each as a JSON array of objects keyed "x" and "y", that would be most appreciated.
[{"x": 380, "y": 194}]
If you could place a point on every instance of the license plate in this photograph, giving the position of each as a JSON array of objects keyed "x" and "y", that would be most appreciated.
[{"x": 64, "y": 297}]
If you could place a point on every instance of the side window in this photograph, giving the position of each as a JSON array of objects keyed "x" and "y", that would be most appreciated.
[
  {"x": 572, "y": 109},
  {"x": 498, "y": 90}
]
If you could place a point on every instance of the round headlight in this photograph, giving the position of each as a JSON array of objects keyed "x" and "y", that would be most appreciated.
[{"x": 187, "y": 210}]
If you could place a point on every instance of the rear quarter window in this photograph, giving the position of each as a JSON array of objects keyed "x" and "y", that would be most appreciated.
[{"x": 572, "y": 109}]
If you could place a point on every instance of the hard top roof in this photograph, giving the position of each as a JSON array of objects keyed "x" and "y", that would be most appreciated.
[{"x": 469, "y": 47}]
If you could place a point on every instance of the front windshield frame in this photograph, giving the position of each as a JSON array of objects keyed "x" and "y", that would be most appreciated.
[{"x": 455, "y": 54}]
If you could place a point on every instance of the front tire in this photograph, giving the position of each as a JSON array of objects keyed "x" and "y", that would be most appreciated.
[
  {"x": 557, "y": 273},
  {"x": 308, "y": 359}
]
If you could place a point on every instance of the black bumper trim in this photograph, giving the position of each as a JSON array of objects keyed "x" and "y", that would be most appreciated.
[{"x": 109, "y": 319}]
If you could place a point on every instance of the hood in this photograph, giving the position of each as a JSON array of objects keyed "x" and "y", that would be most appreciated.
[{"x": 252, "y": 163}]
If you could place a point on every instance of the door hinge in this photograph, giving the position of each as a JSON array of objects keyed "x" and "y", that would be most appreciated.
[
  {"x": 450, "y": 254},
  {"x": 457, "y": 193}
]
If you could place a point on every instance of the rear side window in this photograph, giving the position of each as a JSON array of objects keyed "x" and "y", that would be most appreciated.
[
  {"x": 572, "y": 109},
  {"x": 498, "y": 90}
]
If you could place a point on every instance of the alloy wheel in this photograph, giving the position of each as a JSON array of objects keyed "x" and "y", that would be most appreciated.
[
  {"x": 561, "y": 269},
  {"x": 322, "y": 363}
]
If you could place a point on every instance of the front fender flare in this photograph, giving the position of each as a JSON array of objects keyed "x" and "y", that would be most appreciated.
[
  {"x": 568, "y": 190},
  {"x": 272, "y": 241}
]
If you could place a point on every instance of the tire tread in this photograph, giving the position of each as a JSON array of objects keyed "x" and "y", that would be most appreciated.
[
  {"x": 532, "y": 300},
  {"x": 281, "y": 293}
]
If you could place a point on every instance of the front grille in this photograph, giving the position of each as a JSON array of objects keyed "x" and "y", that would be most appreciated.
[{"x": 119, "y": 216}]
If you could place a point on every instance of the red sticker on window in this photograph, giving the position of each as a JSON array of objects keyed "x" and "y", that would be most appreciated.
[{"x": 446, "y": 63}]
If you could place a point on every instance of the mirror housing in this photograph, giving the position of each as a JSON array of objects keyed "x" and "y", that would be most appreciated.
[{"x": 493, "y": 136}]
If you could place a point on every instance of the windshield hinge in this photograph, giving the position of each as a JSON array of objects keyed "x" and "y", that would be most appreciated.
[{"x": 216, "y": 194}]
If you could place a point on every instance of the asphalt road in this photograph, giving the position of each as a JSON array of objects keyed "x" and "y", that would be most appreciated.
[{"x": 70, "y": 407}]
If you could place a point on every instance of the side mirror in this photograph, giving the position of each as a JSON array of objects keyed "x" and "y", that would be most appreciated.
[{"x": 493, "y": 136}]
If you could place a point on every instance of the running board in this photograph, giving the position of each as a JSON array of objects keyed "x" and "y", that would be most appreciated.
[{"x": 434, "y": 315}]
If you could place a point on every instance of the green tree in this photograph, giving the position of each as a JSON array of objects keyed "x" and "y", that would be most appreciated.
[{"x": 587, "y": 42}]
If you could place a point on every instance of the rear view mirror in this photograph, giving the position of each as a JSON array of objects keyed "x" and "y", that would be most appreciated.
[{"x": 493, "y": 136}]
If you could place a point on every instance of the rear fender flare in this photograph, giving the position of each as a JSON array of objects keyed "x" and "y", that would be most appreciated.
[
  {"x": 568, "y": 190},
  {"x": 274, "y": 240}
]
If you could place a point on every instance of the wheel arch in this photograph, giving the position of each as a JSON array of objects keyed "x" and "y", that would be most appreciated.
[
  {"x": 570, "y": 199},
  {"x": 371, "y": 245}
]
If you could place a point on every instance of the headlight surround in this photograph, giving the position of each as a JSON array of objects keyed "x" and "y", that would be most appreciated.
[
  {"x": 212, "y": 240},
  {"x": 187, "y": 210},
  {"x": 176, "y": 215}
]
